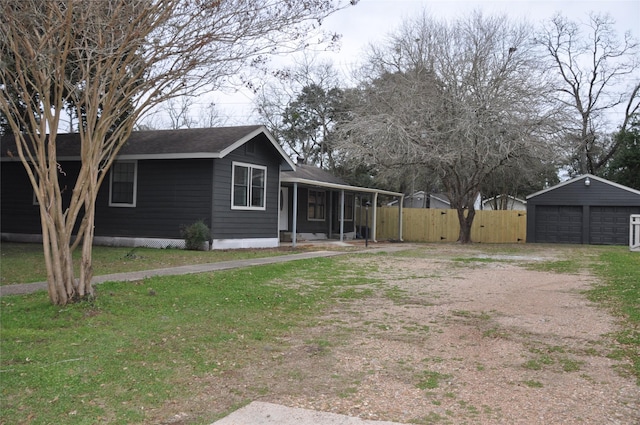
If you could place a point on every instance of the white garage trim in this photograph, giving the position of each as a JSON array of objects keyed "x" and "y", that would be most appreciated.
[{"x": 634, "y": 232}]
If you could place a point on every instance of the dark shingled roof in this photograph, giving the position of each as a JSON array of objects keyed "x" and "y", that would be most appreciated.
[
  {"x": 184, "y": 142},
  {"x": 310, "y": 172},
  {"x": 584, "y": 177},
  {"x": 196, "y": 140}
]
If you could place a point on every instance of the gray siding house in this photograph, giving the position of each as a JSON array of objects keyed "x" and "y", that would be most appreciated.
[
  {"x": 229, "y": 177},
  {"x": 422, "y": 199},
  {"x": 504, "y": 202},
  {"x": 584, "y": 210}
]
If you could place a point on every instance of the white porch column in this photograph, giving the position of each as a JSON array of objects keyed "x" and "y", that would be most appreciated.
[
  {"x": 341, "y": 215},
  {"x": 375, "y": 217},
  {"x": 401, "y": 206},
  {"x": 329, "y": 199},
  {"x": 294, "y": 220}
]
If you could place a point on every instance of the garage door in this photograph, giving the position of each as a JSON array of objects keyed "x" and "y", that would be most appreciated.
[
  {"x": 610, "y": 225},
  {"x": 558, "y": 224}
]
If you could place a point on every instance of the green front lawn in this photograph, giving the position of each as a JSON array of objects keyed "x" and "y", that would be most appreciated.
[
  {"x": 24, "y": 262},
  {"x": 619, "y": 270},
  {"x": 140, "y": 344}
]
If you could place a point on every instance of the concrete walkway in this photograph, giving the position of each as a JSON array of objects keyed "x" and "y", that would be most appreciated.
[
  {"x": 261, "y": 413},
  {"x": 27, "y": 288}
]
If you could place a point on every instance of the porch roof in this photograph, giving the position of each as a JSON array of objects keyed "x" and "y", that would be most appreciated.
[{"x": 313, "y": 176}]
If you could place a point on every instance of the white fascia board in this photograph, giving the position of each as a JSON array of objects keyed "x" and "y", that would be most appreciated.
[
  {"x": 441, "y": 199},
  {"x": 510, "y": 197},
  {"x": 195, "y": 155},
  {"x": 246, "y": 138},
  {"x": 338, "y": 186}
]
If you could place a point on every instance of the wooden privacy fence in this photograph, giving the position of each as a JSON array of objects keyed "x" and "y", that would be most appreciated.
[{"x": 436, "y": 225}]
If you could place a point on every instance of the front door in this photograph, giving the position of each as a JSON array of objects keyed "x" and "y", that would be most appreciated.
[{"x": 284, "y": 209}]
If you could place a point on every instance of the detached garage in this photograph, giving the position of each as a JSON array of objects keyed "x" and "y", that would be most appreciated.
[{"x": 584, "y": 210}]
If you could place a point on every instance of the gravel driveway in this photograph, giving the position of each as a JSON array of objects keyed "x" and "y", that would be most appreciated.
[{"x": 445, "y": 339}]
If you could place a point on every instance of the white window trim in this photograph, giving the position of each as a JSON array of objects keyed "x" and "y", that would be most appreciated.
[
  {"x": 325, "y": 204},
  {"x": 135, "y": 185},
  {"x": 353, "y": 202},
  {"x": 264, "y": 190}
]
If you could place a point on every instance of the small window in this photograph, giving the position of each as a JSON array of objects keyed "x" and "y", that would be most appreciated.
[
  {"x": 249, "y": 189},
  {"x": 316, "y": 206},
  {"x": 348, "y": 207},
  {"x": 122, "y": 184}
]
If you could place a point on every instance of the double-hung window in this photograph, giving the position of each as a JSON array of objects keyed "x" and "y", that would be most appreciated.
[
  {"x": 316, "y": 206},
  {"x": 123, "y": 184},
  {"x": 348, "y": 207},
  {"x": 249, "y": 189}
]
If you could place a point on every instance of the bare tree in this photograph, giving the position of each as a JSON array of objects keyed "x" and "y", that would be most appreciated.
[
  {"x": 300, "y": 106},
  {"x": 113, "y": 60},
  {"x": 457, "y": 100},
  {"x": 210, "y": 116},
  {"x": 597, "y": 74},
  {"x": 180, "y": 112}
]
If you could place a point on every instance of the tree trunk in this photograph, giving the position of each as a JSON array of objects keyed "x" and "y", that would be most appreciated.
[
  {"x": 59, "y": 261},
  {"x": 466, "y": 221},
  {"x": 58, "y": 249},
  {"x": 86, "y": 266}
]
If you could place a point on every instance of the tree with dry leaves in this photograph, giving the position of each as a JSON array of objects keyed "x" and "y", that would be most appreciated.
[
  {"x": 596, "y": 73},
  {"x": 458, "y": 101},
  {"x": 111, "y": 61}
]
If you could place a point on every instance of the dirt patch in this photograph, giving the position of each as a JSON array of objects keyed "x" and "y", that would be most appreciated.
[{"x": 443, "y": 341}]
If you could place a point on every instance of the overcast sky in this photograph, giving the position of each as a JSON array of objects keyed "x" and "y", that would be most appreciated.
[{"x": 370, "y": 20}]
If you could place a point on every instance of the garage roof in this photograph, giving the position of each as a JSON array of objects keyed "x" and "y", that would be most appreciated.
[{"x": 585, "y": 177}]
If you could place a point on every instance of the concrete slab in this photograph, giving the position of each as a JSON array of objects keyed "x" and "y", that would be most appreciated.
[{"x": 261, "y": 413}]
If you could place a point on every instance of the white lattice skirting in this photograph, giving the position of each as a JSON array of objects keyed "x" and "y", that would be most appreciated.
[{"x": 634, "y": 232}]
